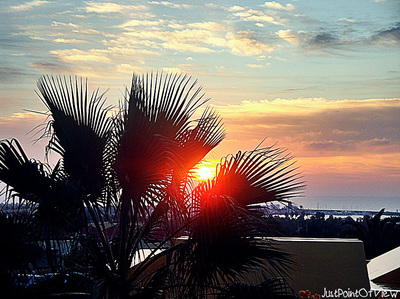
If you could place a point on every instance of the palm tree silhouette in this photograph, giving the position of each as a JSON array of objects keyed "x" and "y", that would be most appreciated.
[
  {"x": 123, "y": 187},
  {"x": 378, "y": 234}
]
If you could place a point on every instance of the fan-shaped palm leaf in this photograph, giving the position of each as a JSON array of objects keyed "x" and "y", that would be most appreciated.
[
  {"x": 223, "y": 246},
  {"x": 57, "y": 207},
  {"x": 258, "y": 176},
  {"x": 29, "y": 178},
  {"x": 157, "y": 111},
  {"x": 223, "y": 242},
  {"x": 195, "y": 143},
  {"x": 79, "y": 129}
]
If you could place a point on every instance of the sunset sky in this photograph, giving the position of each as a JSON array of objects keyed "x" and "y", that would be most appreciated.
[{"x": 320, "y": 78}]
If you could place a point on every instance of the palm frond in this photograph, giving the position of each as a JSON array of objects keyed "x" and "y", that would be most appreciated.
[
  {"x": 29, "y": 178},
  {"x": 196, "y": 142},
  {"x": 223, "y": 245},
  {"x": 79, "y": 129},
  {"x": 259, "y": 176},
  {"x": 157, "y": 109},
  {"x": 224, "y": 242}
]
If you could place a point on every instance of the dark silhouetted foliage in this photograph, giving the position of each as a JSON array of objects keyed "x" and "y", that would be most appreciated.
[{"x": 110, "y": 215}]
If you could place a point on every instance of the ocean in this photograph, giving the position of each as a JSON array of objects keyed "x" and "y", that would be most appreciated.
[{"x": 350, "y": 202}]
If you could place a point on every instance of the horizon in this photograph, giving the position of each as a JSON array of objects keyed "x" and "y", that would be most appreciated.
[{"x": 320, "y": 79}]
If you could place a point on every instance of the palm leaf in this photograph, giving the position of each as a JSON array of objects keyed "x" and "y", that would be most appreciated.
[
  {"x": 224, "y": 242},
  {"x": 79, "y": 129},
  {"x": 222, "y": 248},
  {"x": 196, "y": 142},
  {"x": 157, "y": 110},
  {"x": 258, "y": 176},
  {"x": 28, "y": 178}
]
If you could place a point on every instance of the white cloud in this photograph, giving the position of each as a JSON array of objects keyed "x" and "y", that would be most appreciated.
[
  {"x": 210, "y": 26},
  {"x": 347, "y": 20},
  {"x": 145, "y": 23},
  {"x": 28, "y": 5},
  {"x": 276, "y": 5},
  {"x": 186, "y": 47},
  {"x": 255, "y": 66},
  {"x": 69, "y": 41},
  {"x": 258, "y": 66},
  {"x": 73, "y": 55},
  {"x": 295, "y": 38},
  {"x": 236, "y": 8},
  {"x": 243, "y": 44},
  {"x": 109, "y": 7},
  {"x": 197, "y": 37},
  {"x": 71, "y": 27},
  {"x": 188, "y": 40},
  {"x": 171, "y": 5},
  {"x": 259, "y": 16}
]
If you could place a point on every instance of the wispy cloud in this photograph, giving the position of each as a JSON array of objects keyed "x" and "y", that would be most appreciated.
[
  {"x": 323, "y": 39},
  {"x": 276, "y": 5},
  {"x": 170, "y": 4},
  {"x": 244, "y": 44},
  {"x": 312, "y": 40},
  {"x": 52, "y": 67},
  {"x": 141, "y": 23},
  {"x": 347, "y": 20},
  {"x": 93, "y": 55},
  {"x": 332, "y": 140},
  {"x": 258, "y": 66},
  {"x": 109, "y": 7},
  {"x": 390, "y": 36},
  {"x": 74, "y": 28},
  {"x": 309, "y": 125},
  {"x": 294, "y": 38},
  {"x": 70, "y": 41},
  {"x": 28, "y": 5},
  {"x": 259, "y": 16},
  {"x": 205, "y": 37},
  {"x": 236, "y": 8}
]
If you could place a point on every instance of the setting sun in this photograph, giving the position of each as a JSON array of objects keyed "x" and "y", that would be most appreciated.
[{"x": 204, "y": 172}]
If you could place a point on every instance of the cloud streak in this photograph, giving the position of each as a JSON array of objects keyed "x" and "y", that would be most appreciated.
[
  {"x": 258, "y": 16},
  {"x": 28, "y": 5},
  {"x": 171, "y": 5},
  {"x": 109, "y": 7},
  {"x": 278, "y": 6},
  {"x": 391, "y": 36},
  {"x": 313, "y": 126},
  {"x": 351, "y": 144}
]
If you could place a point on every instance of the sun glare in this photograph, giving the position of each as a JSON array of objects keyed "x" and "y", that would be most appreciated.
[{"x": 204, "y": 172}]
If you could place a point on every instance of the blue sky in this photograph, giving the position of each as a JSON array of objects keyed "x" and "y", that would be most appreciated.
[{"x": 320, "y": 77}]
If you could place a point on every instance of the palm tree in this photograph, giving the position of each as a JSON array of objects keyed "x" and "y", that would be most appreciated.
[
  {"x": 123, "y": 187},
  {"x": 378, "y": 235}
]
